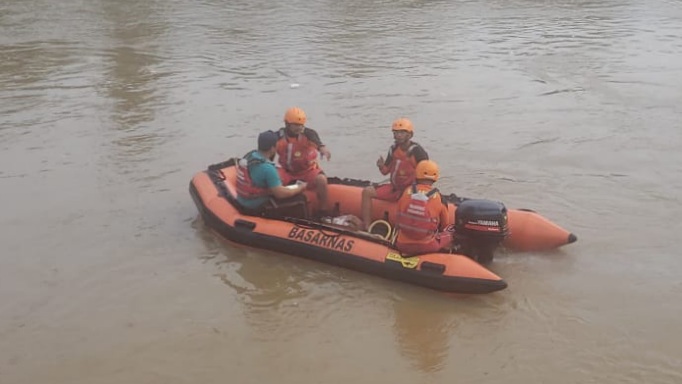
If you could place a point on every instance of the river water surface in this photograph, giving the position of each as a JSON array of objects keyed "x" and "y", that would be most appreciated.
[{"x": 107, "y": 275}]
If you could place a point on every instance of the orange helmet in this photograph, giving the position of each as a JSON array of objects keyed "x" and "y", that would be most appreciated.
[
  {"x": 294, "y": 115},
  {"x": 427, "y": 169},
  {"x": 402, "y": 124}
]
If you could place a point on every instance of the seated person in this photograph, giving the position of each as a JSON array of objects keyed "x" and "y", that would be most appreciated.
[
  {"x": 258, "y": 179},
  {"x": 297, "y": 151},
  {"x": 400, "y": 163},
  {"x": 422, "y": 214}
]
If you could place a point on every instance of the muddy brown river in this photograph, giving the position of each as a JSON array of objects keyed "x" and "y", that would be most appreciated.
[{"x": 107, "y": 109}]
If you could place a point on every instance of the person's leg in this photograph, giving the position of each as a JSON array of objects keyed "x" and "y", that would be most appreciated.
[
  {"x": 382, "y": 192},
  {"x": 419, "y": 248},
  {"x": 387, "y": 193},
  {"x": 321, "y": 189},
  {"x": 317, "y": 181},
  {"x": 366, "y": 207}
]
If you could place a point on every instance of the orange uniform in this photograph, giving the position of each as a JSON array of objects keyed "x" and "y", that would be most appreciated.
[
  {"x": 297, "y": 156},
  {"x": 421, "y": 214},
  {"x": 400, "y": 165}
]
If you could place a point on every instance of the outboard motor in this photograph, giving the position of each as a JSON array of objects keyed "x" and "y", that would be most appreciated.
[{"x": 480, "y": 227}]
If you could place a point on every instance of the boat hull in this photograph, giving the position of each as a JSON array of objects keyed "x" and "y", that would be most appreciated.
[{"x": 213, "y": 193}]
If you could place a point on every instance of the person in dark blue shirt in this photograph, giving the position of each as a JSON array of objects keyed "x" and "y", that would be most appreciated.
[{"x": 257, "y": 176}]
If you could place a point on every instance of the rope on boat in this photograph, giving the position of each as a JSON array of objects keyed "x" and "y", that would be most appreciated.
[{"x": 390, "y": 233}]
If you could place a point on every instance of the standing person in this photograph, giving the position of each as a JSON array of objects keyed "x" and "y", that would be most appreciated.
[
  {"x": 257, "y": 176},
  {"x": 297, "y": 151},
  {"x": 422, "y": 214},
  {"x": 400, "y": 163}
]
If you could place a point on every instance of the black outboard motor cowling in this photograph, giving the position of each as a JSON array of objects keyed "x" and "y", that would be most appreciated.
[{"x": 480, "y": 227}]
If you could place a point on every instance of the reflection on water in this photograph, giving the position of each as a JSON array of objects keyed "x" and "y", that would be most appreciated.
[
  {"x": 267, "y": 284},
  {"x": 131, "y": 79},
  {"x": 131, "y": 84},
  {"x": 434, "y": 329},
  {"x": 26, "y": 63},
  {"x": 268, "y": 291},
  {"x": 32, "y": 74},
  {"x": 423, "y": 329},
  {"x": 285, "y": 298}
]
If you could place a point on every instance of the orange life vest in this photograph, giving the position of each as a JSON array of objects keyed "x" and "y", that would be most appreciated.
[
  {"x": 245, "y": 187},
  {"x": 419, "y": 211},
  {"x": 402, "y": 167},
  {"x": 296, "y": 154}
]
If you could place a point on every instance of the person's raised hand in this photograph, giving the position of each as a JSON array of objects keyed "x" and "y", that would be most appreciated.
[
  {"x": 380, "y": 161},
  {"x": 325, "y": 153}
]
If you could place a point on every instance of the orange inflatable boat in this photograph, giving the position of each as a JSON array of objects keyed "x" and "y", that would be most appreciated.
[{"x": 479, "y": 225}]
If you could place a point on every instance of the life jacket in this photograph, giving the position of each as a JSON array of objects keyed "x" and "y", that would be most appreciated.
[
  {"x": 296, "y": 154},
  {"x": 418, "y": 212},
  {"x": 402, "y": 167},
  {"x": 245, "y": 187}
]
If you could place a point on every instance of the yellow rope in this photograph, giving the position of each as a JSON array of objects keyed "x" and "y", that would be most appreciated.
[{"x": 390, "y": 233}]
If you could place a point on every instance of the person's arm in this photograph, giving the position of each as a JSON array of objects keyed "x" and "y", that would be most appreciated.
[
  {"x": 282, "y": 192},
  {"x": 444, "y": 215},
  {"x": 275, "y": 187},
  {"x": 314, "y": 137},
  {"x": 419, "y": 153},
  {"x": 384, "y": 164}
]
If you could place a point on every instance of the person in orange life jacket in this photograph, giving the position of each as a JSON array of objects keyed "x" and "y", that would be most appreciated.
[
  {"x": 422, "y": 214},
  {"x": 297, "y": 151},
  {"x": 400, "y": 163},
  {"x": 257, "y": 176}
]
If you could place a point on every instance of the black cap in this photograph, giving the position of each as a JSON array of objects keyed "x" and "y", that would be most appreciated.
[{"x": 267, "y": 140}]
